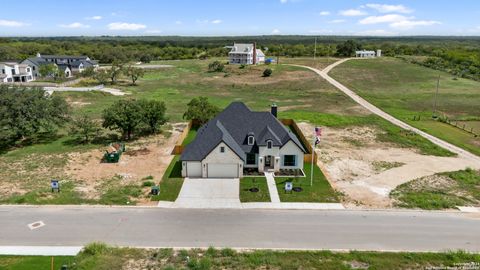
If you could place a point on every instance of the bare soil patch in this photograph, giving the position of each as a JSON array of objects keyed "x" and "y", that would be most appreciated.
[{"x": 350, "y": 158}]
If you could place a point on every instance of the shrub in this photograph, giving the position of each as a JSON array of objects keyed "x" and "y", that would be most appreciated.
[
  {"x": 95, "y": 248},
  {"x": 148, "y": 184},
  {"x": 267, "y": 72},
  {"x": 216, "y": 66}
]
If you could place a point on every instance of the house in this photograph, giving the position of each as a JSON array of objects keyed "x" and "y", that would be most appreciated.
[
  {"x": 245, "y": 54},
  {"x": 239, "y": 139},
  {"x": 68, "y": 64},
  {"x": 15, "y": 72},
  {"x": 368, "y": 54}
]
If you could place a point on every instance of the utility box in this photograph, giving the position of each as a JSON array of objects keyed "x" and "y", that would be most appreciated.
[{"x": 155, "y": 190}]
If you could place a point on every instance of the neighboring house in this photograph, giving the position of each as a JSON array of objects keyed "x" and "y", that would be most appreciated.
[
  {"x": 238, "y": 139},
  {"x": 245, "y": 54},
  {"x": 15, "y": 72},
  {"x": 68, "y": 64},
  {"x": 368, "y": 54}
]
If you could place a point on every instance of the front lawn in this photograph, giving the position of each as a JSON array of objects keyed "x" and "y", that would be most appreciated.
[
  {"x": 172, "y": 181},
  {"x": 248, "y": 183},
  {"x": 320, "y": 191}
]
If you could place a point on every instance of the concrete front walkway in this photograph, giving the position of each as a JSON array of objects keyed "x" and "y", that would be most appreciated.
[
  {"x": 208, "y": 193},
  {"x": 272, "y": 187}
]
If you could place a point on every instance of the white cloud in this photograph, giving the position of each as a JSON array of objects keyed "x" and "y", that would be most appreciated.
[
  {"x": 8, "y": 23},
  {"x": 94, "y": 18},
  {"x": 352, "y": 12},
  {"x": 320, "y": 31},
  {"x": 75, "y": 25},
  {"x": 126, "y": 26},
  {"x": 153, "y": 31},
  {"x": 408, "y": 24},
  {"x": 178, "y": 22},
  {"x": 324, "y": 13},
  {"x": 337, "y": 21},
  {"x": 389, "y": 18},
  {"x": 389, "y": 8},
  {"x": 283, "y": 1},
  {"x": 217, "y": 21},
  {"x": 378, "y": 32},
  {"x": 275, "y": 31}
]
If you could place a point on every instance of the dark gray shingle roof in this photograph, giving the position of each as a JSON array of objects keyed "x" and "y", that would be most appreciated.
[{"x": 232, "y": 126}]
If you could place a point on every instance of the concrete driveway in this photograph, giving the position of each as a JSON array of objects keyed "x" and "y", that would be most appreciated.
[{"x": 209, "y": 193}]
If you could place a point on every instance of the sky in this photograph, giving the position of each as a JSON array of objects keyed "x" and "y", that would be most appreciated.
[{"x": 246, "y": 17}]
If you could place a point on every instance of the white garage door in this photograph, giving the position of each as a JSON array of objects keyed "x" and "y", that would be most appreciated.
[
  {"x": 194, "y": 169},
  {"x": 215, "y": 170}
]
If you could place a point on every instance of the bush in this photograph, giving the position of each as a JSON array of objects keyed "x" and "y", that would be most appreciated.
[
  {"x": 267, "y": 72},
  {"x": 148, "y": 184},
  {"x": 216, "y": 66},
  {"x": 95, "y": 248}
]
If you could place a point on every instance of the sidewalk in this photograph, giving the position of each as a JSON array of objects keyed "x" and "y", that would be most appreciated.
[
  {"x": 254, "y": 205},
  {"x": 272, "y": 187}
]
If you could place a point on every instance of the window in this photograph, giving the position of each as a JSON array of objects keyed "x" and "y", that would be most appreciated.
[
  {"x": 251, "y": 159},
  {"x": 3, "y": 71},
  {"x": 251, "y": 140},
  {"x": 222, "y": 149},
  {"x": 289, "y": 160},
  {"x": 269, "y": 144}
]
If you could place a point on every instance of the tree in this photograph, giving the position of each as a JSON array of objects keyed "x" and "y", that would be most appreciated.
[
  {"x": 84, "y": 127},
  {"x": 146, "y": 58},
  {"x": 348, "y": 48},
  {"x": 88, "y": 72},
  {"x": 102, "y": 76},
  {"x": 48, "y": 70},
  {"x": 115, "y": 71},
  {"x": 27, "y": 112},
  {"x": 267, "y": 72},
  {"x": 201, "y": 110},
  {"x": 134, "y": 73},
  {"x": 215, "y": 66},
  {"x": 153, "y": 112},
  {"x": 123, "y": 115}
]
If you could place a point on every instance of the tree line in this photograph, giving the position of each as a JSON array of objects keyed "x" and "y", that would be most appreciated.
[{"x": 28, "y": 115}]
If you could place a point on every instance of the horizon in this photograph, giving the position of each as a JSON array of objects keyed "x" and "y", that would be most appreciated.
[{"x": 383, "y": 18}]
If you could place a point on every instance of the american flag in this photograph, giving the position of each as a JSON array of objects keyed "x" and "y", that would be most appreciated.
[{"x": 318, "y": 134}]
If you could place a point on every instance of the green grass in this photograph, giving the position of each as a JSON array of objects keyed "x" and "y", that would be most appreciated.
[
  {"x": 320, "y": 191},
  {"x": 406, "y": 90},
  {"x": 254, "y": 182},
  {"x": 190, "y": 136},
  {"x": 387, "y": 131},
  {"x": 117, "y": 258},
  {"x": 172, "y": 181},
  {"x": 462, "y": 189}
]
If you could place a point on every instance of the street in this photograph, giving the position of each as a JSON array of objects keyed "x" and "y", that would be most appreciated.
[{"x": 276, "y": 229}]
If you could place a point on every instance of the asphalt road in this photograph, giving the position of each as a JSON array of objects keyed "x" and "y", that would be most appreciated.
[{"x": 282, "y": 229}]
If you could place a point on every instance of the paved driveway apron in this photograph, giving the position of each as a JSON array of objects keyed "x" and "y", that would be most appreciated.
[{"x": 209, "y": 193}]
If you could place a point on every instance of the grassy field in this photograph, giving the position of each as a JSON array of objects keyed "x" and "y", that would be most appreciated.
[
  {"x": 99, "y": 256},
  {"x": 320, "y": 191},
  {"x": 406, "y": 91},
  {"x": 247, "y": 183},
  {"x": 442, "y": 191},
  {"x": 318, "y": 63}
]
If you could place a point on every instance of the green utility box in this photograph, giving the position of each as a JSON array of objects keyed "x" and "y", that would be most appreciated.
[{"x": 113, "y": 152}]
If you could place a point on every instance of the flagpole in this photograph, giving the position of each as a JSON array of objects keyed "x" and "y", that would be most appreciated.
[{"x": 313, "y": 155}]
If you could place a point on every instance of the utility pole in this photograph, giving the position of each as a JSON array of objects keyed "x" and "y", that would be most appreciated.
[
  {"x": 315, "y": 50},
  {"x": 436, "y": 97}
]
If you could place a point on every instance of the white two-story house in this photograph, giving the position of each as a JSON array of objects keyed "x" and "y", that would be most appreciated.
[
  {"x": 15, "y": 72},
  {"x": 239, "y": 139},
  {"x": 245, "y": 54}
]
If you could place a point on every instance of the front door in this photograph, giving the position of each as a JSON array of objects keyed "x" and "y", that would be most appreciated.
[{"x": 268, "y": 161}]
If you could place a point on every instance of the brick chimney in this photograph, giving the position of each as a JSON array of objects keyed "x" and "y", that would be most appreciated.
[
  {"x": 254, "y": 53},
  {"x": 274, "y": 110}
]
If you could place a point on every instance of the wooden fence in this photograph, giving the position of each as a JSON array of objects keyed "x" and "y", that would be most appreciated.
[{"x": 178, "y": 148}]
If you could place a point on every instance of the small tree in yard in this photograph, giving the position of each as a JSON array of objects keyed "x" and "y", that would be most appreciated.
[
  {"x": 201, "y": 110},
  {"x": 84, "y": 127},
  {"x": 115, "y": 71},
  {"x": 267, "y": 72},
  {"x": 215, "y": 66},
  {"x": 88, "y": 72},
  {"x": 153, "y": 114},
  {"x": 48, "y": 70},
  {"x": 134, "y": 73},
  {"x": 123, "y": 115},
  {"x": 102, "y": 76}
]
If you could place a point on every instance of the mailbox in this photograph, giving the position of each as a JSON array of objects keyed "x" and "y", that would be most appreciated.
[{"x": 55, "y": 185}]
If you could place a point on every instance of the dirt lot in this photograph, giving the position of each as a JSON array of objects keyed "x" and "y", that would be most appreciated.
[
  {"x": 366, "y": 170},
  {"x": 145, "y": 158}
]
